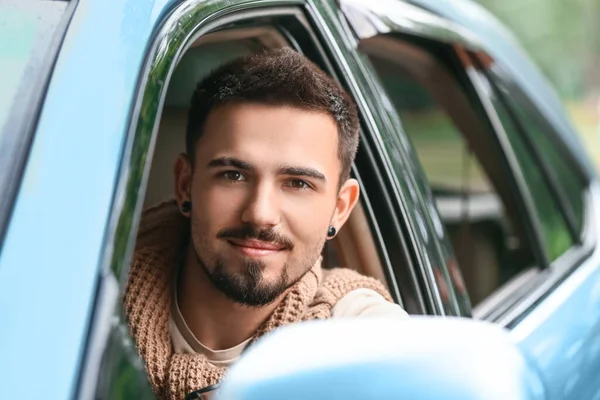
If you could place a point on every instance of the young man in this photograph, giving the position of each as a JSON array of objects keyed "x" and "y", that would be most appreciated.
[{"x": 264, "y": 184}]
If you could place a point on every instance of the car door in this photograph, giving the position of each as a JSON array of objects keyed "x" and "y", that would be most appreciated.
[
  {"x": 399, "y": 222},
  {"x": 510, "y": 182}
]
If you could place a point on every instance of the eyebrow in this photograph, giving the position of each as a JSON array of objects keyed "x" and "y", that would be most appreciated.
[
  {"x": 301, "y": 171},
  {"x": 230, "y": 162}
]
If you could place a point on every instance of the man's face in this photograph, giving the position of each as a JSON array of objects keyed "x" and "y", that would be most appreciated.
[{"x": 264, "y": 191}]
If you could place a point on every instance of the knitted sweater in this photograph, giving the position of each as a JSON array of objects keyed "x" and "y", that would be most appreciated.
[{"x": 162, "y": 238}]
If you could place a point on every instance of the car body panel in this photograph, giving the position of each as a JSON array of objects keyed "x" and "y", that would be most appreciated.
[
  {"x": 56, "y": 233},
  {"x": 562, "y": 333}
]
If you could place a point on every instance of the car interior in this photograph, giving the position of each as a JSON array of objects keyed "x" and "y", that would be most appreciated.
[{"x": 353, "y": 247}]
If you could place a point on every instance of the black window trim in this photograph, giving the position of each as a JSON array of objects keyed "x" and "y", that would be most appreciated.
[
  {"x": 429, "y": 284},
  {"x": 23, "y": 128}
]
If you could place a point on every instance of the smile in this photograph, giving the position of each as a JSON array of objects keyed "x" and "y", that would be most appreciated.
[{"x": 255, "y": 248}]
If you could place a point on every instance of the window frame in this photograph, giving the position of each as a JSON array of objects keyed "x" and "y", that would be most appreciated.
[
  {"x": 411, "y": 270},
  {"x": 175, "y": 34}
]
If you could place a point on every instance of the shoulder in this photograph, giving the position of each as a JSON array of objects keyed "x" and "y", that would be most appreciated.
[
  {"x": 353, "y": 294},
  {"x": 366, "y": 303},
  {"x": 339, "y": 282}
]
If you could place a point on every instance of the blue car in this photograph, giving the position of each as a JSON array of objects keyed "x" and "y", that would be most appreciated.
[{"x": 479, "y": 201}]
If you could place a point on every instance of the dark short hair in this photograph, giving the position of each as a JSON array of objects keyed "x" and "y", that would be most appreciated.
[{"x": 280, "y": 77}]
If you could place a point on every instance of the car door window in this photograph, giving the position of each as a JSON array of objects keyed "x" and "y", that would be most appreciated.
[{"x": 462, "y": 164}]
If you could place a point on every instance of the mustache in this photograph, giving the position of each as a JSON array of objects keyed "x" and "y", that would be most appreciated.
[{"x": 269, "y": 235}]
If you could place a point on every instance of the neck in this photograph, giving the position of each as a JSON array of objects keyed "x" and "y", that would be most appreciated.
[{"x": 214, "y": 319}]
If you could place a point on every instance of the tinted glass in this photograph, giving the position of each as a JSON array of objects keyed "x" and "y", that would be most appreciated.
[
  {"x": 440, "y": 145},
  {"x": 555, "y": 233},
  {"x": 457, "y": 159},
  {"x": 569, "y": 179},
  {"x": 122, "y": 375}
]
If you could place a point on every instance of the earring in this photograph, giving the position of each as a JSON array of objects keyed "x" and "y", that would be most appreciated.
[
  {"x": 186, "y": 206},
  {"x": 331, "y": 232}
]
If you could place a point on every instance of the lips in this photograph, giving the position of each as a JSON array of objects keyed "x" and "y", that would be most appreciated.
[{"x": 256, "y": 248}]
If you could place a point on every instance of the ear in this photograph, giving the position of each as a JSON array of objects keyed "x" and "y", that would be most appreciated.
[
  {"x": 347, "y": 198},
  {"x": 183, "y": 179}
]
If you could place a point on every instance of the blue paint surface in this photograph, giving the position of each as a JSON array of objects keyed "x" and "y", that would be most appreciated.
[
  {"x": 50, "y": 257},
  {"x": 562, "y": 334}
]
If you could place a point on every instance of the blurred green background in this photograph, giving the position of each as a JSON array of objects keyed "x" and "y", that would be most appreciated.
[{"x": 563, "y": 38}]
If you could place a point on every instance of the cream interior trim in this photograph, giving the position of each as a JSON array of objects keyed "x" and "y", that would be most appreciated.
[
  {"x": 356, "y": 246},
  {"x": 269, "y": 37}
]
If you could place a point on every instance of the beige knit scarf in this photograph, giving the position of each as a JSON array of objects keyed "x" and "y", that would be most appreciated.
[{"x": 162, "y": 238}]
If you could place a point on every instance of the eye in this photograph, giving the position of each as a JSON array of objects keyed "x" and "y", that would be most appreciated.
[
  {"x": 234, "y": 176},
  {"x": 299, "y": 184}
]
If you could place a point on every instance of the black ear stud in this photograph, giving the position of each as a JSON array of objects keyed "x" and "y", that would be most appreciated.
[
  {"x": 186, "y": 207},
  {"x": 331, "y": 232}
]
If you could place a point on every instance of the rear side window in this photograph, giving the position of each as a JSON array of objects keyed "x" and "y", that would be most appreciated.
[{"x": 27, "y": 33}]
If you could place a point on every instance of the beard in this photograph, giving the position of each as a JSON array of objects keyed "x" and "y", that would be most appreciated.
[{"x": 249, "y": 287}]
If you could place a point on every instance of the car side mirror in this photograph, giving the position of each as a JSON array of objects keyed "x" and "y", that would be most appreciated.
[{"x": 423, "y": 357}]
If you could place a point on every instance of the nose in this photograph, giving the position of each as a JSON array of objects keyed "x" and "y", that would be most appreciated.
[{"x": 262, "y": 208}]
